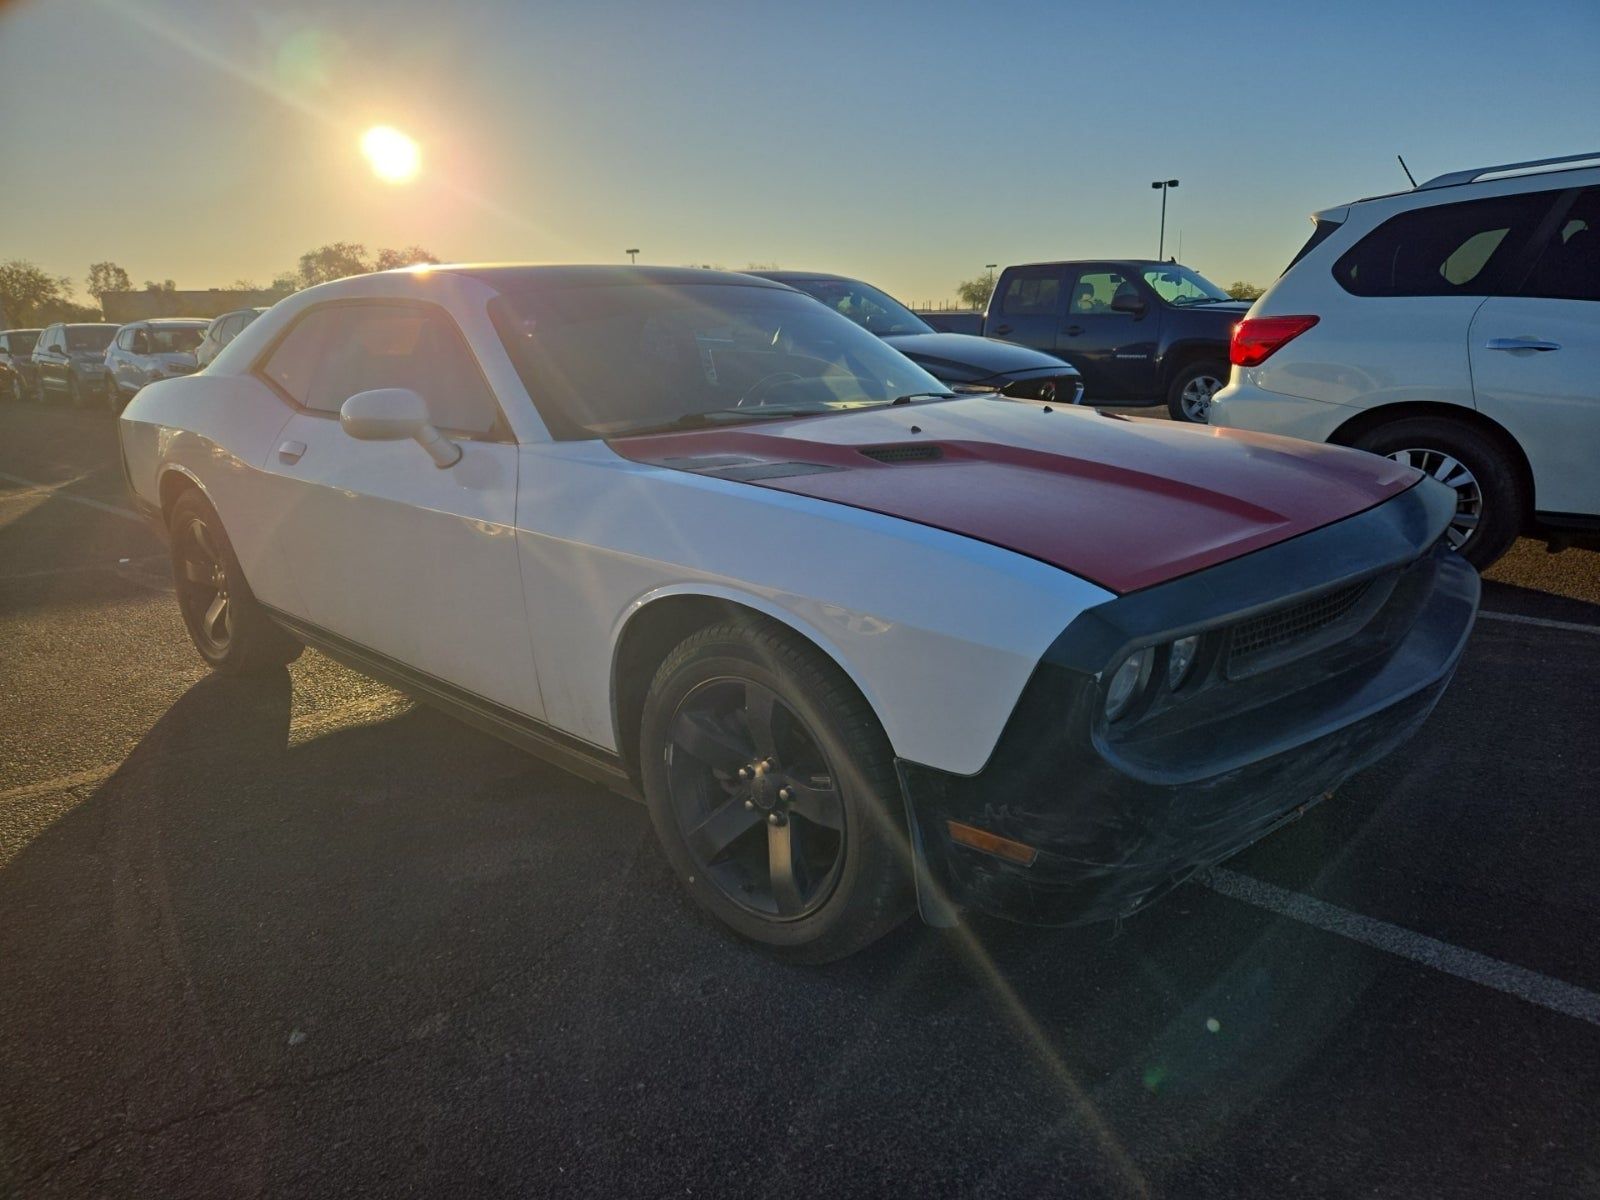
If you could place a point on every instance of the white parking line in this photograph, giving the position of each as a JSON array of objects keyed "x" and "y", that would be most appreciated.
[
  {"x": 1541, "y": 622},
  {"x": 54, "y": 489},
  {"x": 1565, "y": 998}
]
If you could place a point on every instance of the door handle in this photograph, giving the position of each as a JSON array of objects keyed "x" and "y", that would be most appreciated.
[
  {"x": 290, "y": 452},
  {"x": 1002, "y": 329},
  {"x": 1073, "y": 330},
  {"x": 1520, "y": 344}
]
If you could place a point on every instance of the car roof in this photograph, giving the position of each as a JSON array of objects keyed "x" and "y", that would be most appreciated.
[
  {"x": 88, "y": 325},
  {"x": 1078, "y": 262},
  {"x": 39, "y": 330},
  {"x": 173, "y": 321},
  {"x": 513, "y": 277},
  {"x": 781, "y": 276}
]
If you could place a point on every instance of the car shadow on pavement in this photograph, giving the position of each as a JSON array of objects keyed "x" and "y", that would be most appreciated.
[{"x": 403, "y": 955}]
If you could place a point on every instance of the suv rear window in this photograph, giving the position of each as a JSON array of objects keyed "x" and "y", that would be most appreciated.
[{"x": 1445, "y": 250}]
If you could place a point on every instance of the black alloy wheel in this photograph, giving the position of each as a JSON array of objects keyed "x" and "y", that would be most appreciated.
[
  {"x": 202, "y": 586},
  {"x": 755, "y": 798},
  {"x": 229, "y": 628},
  {"x": 773, "y": 790}
]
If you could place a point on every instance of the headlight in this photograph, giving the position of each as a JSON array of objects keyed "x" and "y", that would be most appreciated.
[
  {"x": 1180, "y": 660},
  {"x": 1127, "y": 682}
]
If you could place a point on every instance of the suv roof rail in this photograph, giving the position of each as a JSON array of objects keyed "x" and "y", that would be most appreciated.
[{"x": 1457, "y": 177}]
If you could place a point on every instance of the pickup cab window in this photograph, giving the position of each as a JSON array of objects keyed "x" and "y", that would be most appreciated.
[{"x": 1031, "y": 293}]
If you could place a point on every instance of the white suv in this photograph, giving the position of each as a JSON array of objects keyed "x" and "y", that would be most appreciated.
[{"x": 1455, "y": 327}]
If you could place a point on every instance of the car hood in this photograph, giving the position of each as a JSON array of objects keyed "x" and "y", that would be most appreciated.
[
  {"x": 981, "y": 357},
  {"x": 1123, "y": 503}
]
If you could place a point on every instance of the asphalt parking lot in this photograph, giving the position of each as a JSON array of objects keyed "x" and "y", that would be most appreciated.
[{"x": 298, "y": 937}]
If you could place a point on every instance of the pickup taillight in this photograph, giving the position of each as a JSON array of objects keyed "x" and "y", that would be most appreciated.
[{"x": 1256, "y": 339}]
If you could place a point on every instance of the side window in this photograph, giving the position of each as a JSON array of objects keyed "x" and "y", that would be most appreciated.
[
  {"x": 125, "y": 340},
  {"x": 1031, "y": 293},
  {"x": 1446, "y": 250},
  {"x": 332, "y": 353},
  {"x": 1568, "y": 267},
  {"x": 1095, "y": 290}
]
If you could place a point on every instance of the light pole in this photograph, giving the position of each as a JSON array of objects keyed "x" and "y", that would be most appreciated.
[
  {"x": 989, "y": 267},
  {"x": 1164, "y": 185},
  {"x": 633, "y": 255}
]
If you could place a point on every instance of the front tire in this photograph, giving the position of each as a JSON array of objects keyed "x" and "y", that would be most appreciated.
[
  {"x": 229, "y": 628},
  {"x": 773, "y": 790},
  {"x": 1490, "y": 496},
  {"x": 1189, "y": 397}
]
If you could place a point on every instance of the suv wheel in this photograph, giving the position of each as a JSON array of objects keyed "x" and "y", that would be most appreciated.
[
  {"x": 74, "y": 391},
  {"x": 1189, "y": 397},
  {"x": 1490, "y": 498},
  {"x": 113, "y": 395},
  {"x": 772, "y": 788}
]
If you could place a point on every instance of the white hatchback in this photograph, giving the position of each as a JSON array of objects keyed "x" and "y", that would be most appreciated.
[{"x": 1455, "y": 327}]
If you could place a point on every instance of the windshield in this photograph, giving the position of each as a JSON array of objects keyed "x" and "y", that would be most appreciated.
[
  {"x": 90, "y": 337},
  {"x": 610, "y": 360},
  {"x": 865, "y": 305},
  {"x": 1179, "y": 285},
  {"x": 175, "y": 339}
]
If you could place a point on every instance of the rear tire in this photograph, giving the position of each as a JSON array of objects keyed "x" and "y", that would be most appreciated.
[
  {"x": 113, "y": 396},
  {"x": 229, "y": 628},
  {"x": 1190, "y": 395},
  {"x": 806, "y": 852},
  {"x": 1490, "y": 497}
]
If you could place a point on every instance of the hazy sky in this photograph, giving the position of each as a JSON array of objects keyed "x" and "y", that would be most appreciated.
[{"x": 907, "y": 143}]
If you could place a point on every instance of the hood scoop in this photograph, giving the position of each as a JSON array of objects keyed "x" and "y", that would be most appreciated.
[{"x": 908, "y": 452}]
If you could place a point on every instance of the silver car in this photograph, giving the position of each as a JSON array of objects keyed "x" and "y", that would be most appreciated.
[
  {"x": 146, "y": 351},
  {"x": 222, "y": 331}
]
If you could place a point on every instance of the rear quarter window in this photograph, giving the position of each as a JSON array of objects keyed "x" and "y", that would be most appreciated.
[{"x": 1444, "y": 250}]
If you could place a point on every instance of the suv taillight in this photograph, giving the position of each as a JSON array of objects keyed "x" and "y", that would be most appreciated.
[{"x": 1256, "y": 339}]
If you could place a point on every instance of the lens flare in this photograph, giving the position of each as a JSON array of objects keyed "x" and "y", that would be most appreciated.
[{"x": 395, "y": 158}]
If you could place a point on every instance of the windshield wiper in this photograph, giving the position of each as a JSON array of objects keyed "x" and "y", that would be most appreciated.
[{"x": 910, "y": 396}]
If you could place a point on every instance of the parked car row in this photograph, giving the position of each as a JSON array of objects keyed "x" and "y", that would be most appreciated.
[{"x": 86, "y": 363}]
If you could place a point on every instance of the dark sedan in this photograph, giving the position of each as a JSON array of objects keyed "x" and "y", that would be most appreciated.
[
  {"x": 956, "y": 359},
  {"x": 16, "y": 363}
]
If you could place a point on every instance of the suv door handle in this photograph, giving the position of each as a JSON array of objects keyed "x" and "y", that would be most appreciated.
[
  {"x": 290, "y": 452},
  {"x": 1002, "y": 329},
  {"x": 1520, "y": 344},
  {"x": 1073, "y": 330}
]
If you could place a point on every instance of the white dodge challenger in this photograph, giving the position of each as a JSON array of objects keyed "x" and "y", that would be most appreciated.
[{"x": 860, "y": 645}]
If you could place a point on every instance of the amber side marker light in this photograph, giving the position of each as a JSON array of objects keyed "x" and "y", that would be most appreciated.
[{"x": 991, "y": 843}]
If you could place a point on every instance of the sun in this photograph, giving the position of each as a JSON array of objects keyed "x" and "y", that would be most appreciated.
[{"x": 395, "y": 158}]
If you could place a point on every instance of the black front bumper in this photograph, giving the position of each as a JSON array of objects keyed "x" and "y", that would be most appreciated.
[{"x": 1119, "y": 814}]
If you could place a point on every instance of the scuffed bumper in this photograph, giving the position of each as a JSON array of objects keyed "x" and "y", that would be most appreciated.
[{"x": 1118, "y": 818}]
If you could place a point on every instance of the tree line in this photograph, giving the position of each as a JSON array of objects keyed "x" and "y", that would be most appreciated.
[{"x": 31, "y": 296}]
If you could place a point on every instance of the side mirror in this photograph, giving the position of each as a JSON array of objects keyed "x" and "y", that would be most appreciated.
[
  {"x": 1125, "y": 302},
  {"x": 396, "y": 414}
]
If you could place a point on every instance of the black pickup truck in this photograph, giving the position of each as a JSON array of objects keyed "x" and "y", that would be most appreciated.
[{"x": 1139, "y": 331}]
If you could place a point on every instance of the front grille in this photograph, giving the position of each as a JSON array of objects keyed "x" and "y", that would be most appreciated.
[
  {"x": 896, "y": 454},
  {"x": 1274, "y": 630}
]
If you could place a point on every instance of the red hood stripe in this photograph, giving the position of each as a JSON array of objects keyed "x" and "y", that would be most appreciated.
[{"x": 1125, "y": 504}]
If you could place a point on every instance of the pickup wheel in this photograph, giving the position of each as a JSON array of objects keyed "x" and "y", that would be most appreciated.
[
  {"x": 1490, "y": 497},
  {"x": 1189, "y": 397},
  {"x": 772, "y": 788},
  {"x": 232, "y": 632}
]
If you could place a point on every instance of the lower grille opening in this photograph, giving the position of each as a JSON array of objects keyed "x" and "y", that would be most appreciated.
[{"x": 1283, "y": 631}]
